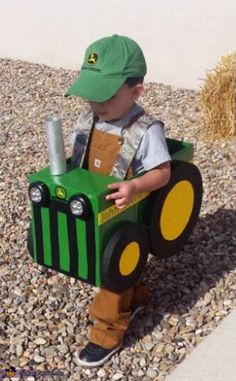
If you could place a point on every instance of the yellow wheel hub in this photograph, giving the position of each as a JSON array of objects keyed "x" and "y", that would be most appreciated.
[
  {"x": 129, "y": 258},
  {"x": 177, "y": 210}
]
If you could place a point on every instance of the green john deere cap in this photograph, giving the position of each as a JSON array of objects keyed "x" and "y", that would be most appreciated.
[{"x": 108, "y": 62}]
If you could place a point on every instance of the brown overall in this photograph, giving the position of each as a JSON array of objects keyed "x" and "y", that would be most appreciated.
[{"x": 111, "y": 310}]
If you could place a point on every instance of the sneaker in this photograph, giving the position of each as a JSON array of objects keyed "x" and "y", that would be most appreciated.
[
  {"x": 135, "y": 311},
  {"x": 94, "y": 355}
]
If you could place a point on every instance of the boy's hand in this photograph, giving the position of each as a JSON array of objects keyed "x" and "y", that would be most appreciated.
[
  {"x": 124, "y": 193},
  {"x": 154, "y": 179}
]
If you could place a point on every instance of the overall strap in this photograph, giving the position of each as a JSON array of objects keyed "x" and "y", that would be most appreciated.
[
  {"x": 83, "y": 130},
  {"x": 132, "y": 136}
]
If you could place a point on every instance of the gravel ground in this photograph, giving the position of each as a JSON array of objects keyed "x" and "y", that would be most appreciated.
[{"x": 43, "y": 315}]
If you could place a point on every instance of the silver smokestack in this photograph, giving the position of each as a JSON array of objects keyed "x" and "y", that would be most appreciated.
[{"x": 55, "y": 144}]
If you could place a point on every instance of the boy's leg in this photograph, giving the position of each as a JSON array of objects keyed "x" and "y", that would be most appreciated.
[{"x": 113, "y": 312}]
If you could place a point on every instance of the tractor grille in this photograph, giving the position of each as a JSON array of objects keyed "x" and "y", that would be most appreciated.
[{"x": 56, "y": 236}]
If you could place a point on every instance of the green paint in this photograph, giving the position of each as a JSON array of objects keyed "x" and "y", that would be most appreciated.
[
  {"x": 75, "y": 181},
  {"x": 64, "y": 251},
  {"x": 180, "y": 150},
  {"x": 47, "y": 250}
]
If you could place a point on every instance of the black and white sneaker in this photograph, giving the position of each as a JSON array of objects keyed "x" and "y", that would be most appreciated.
[
  {"x": 135, "y": 311},
  {"x": 94, "y": 355}
]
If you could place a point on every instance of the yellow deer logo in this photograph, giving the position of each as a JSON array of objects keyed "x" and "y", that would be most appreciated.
[
  {"x": 92, "y": 59},
  {"x": 60, "y": 192}
]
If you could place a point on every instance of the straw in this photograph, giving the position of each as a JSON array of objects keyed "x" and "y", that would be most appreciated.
[{"x": 218, "y": 99}]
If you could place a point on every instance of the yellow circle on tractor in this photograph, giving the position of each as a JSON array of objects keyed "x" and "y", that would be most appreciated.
[
  {"x": 177, "y": 210},
  {"x": 129, "y": 258}
]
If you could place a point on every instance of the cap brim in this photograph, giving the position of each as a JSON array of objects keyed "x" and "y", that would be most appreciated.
[{"x": 95, "y": 87}]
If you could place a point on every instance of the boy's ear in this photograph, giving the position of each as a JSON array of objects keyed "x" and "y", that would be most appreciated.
[{"x": 137, "y": 91}]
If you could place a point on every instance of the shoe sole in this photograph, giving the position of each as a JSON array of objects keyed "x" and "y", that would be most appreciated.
[{"x": 101, "y": 362}]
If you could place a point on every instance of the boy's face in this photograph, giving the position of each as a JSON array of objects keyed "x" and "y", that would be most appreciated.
[{"x": 119, "y": 105}]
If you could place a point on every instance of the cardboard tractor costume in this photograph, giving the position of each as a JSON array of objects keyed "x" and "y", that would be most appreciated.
[{"x": 76, "y": 231}]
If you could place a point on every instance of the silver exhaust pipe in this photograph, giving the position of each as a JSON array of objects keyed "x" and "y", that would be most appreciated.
[{"x": 55, "y": 144}]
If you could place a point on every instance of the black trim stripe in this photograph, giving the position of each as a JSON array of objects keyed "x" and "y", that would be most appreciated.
[
  {"x": 73, "y": 245},
  {"x": 38, "y": 234},
  {"x": 53, "y": 221},
  {"x": 91, "y": 250}
]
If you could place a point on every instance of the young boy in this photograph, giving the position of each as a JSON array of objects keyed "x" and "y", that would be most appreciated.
[{"x": 115, "y": 136}]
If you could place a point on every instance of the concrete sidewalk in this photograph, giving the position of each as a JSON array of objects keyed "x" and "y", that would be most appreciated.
[{"x": 214, "y": 359}]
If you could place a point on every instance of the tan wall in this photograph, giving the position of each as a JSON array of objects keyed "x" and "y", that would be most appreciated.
[{"x": 180, "y": 38}]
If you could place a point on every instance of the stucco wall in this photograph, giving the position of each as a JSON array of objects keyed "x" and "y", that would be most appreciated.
[{"x": 180, "y": 38}]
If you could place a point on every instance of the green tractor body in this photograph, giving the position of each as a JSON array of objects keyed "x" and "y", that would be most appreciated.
[{"x": 72, "y": 222}]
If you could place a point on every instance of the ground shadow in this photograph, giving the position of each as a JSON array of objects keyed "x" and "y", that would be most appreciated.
[{"x": 178, "y": 282}]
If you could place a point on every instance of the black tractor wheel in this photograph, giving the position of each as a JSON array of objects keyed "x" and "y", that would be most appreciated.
[
  {"x": 175, "y": 209},
  {"x": 124, "y": 257}
]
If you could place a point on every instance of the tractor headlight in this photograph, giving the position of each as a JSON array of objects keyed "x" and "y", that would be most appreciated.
[
  {"x": 76, "y": 207},
  {"x": 39, "y": 194},
  {"x": 80, "y": 206},
  {"x": 35, "y": 194}
]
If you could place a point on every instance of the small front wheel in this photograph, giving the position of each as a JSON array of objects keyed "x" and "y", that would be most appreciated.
[{"x": 124, "y": 257}]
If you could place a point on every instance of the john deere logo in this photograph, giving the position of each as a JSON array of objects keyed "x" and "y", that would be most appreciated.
[
  {"x": 92, "y": 58},
  {"x": 60, "y": 192}
]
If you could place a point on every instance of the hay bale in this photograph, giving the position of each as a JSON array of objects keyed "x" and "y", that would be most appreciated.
[{"x": 218, "y": 99}]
